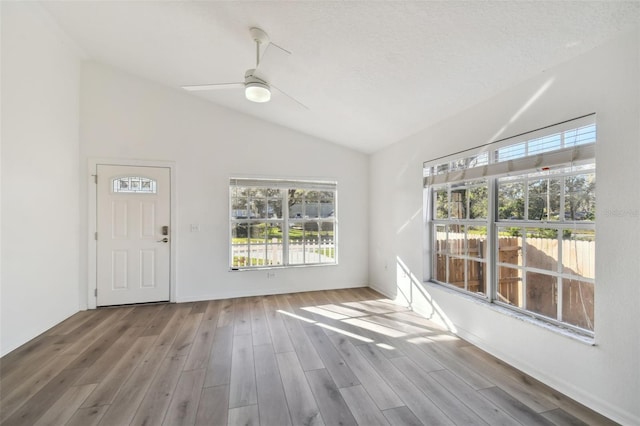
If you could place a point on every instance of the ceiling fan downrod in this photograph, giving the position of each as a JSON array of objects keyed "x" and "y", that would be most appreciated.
[{"x": 260, "y": 37}]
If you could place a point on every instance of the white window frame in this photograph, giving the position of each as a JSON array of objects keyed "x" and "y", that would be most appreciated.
[
  {"x": 286, "y": 222},
  {"x": 554, "y": 150}
]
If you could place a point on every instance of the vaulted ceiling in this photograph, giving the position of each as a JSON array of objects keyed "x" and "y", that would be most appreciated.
[{"x": 370, "y": 72}]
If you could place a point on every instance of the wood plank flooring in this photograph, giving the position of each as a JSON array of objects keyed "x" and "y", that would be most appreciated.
[{"x": 340, "y": 357}]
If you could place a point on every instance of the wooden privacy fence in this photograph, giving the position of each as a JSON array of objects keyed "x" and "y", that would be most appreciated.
[{"x": 541, "y": 289}]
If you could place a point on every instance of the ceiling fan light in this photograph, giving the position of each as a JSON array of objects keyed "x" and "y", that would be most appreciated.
[{"x": 257, "y": 92}]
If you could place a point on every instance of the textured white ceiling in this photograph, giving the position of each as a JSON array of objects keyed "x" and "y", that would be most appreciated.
[{"x": 370, "y": 72}]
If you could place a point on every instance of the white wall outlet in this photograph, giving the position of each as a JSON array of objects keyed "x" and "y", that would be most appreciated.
[{"x": 195, "y": 227}]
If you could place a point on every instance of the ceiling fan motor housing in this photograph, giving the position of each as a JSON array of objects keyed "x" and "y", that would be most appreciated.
[{"x": 256, "y": 89}]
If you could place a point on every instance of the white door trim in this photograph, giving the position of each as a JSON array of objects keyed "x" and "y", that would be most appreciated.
[{"x": 92, "y": 268}]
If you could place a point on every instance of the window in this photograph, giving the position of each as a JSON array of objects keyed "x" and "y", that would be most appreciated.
[
  {"x": 282, "y": 223},
  {"x": 513, "y": 223}
]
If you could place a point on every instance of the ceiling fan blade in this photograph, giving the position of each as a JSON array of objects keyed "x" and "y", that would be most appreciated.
[
  {"x": 288, "y": 52},
  {"x": 290, "y": 97},
  {"x": 273, "y": 60},
  {"x": 201, "y": 87}
]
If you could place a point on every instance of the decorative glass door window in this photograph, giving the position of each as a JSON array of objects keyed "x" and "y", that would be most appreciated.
[{"x": 134, "y": 184}]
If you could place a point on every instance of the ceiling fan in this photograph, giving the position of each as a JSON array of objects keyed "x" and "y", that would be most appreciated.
[{"x": 257, "y": 87}]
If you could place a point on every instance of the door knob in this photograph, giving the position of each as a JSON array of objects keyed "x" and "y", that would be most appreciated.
[{"x": 164, "y": 240}]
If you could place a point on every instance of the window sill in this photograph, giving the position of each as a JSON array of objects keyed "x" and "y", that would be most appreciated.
[
  {"x": 529, "y": 319},
  {"x": 267, "y": 268}
]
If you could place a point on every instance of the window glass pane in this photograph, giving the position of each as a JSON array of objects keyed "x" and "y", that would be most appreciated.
[
  {"x": 296, "y": 203},
  {"x": 441, "y": 203},
  {"x": 257, "y": 205},
  {"x": 480, "y": 159},
  {"x": 510, "y": 245},
  {"x": 478, "y": 202},
  {"x": 542, "y": 294},
  {"x": 249, "y": 211},
  {"x": 274, "y": 233},
  {"x": 239, "y": 244},
  {"x": 442, "y": 168},
  {"x": 579, "y": 252},
  {"x": 544, "y": 144},
  {"x": 327, "y": 230},
  {"x": 274, "y": 247},
  {"x": 240, "y": 255},
  {"x": 313, "y": 196},
  {"x": 441, "y": 268},
  {"x": 510, "y": 200},
  {"x": 239, "y": 233},
  {"x": 273, "y": 192},
  {"x": 542, "y": 248},
  {"x": 577, "y": 303},
  {"x": 510, "y": 152},
  {"x": 311, "y": 229},
  {"x": 312, "y": 251},
  {"x": 476, "y": 276},
  {"x": 274, "y": 208},
  {"x": 441, "y": 238},
  {"x": 296, "y": 243},
  {"x": 510, "y": 286},
  {"x": 477, "y": 241},
  {"x": 239, "y": 208},
  {"x": 456, "y": 272},
  {"x": 458, "y": 203},
  {"x": 327, "y": 205},
  {"x": 257, "y": 255},
  {"x": 580, "y": 197},
  {"x": 456, "y": 240},
  {"x": 312, "y": 209},
  {"x": 544, "y": 199},
  {"x": 326, "y": 242},
  {"x": 580, "y": 136},
  {"x": 274, "y": 254},
  {"x": 241, "y": 191},
  {"x": 258, "y": 233}
]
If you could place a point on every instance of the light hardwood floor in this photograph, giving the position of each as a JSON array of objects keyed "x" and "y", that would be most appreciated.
[{"x": 343, "y": 357}]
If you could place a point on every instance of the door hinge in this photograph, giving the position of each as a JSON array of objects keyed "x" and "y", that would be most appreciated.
[
  {"x": 95, "y": 292},
  {"x": 95, "y": 179},
  {"x": 95, "y": 235}
]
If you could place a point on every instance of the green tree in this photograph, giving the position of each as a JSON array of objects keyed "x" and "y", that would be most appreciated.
[
  {"x": 544, "y": 199},
  {"x": 580, "y": 197},
  {"x": 511, "y": 200}
]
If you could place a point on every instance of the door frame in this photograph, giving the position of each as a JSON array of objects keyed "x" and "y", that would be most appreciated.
[{"x": 92, "y": 213}]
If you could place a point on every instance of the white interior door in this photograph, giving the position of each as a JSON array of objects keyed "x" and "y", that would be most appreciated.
[{"x": 133, "y": 235}]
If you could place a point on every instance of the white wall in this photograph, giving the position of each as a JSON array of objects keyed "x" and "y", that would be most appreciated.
[
  {"x": 605, "y": 376},
  {"x": 40, "y": 235},
  {"x": 125, "y": 117}
]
